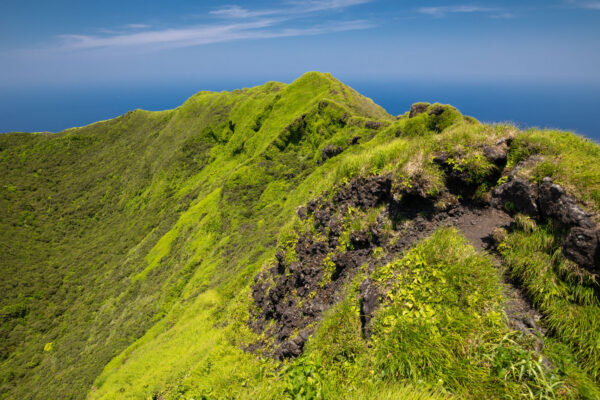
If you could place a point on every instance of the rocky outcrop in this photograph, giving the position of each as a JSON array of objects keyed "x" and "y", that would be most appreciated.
[
  {"x": 294, "y": 294},
  {"x": 461, "y": 181},
  {"x": 291, "y": 296},
  {"x": 497, "y": 154},
  {"x": 329, "y": 151},
  {"x": 516, "y": 195},
  {"x": 365, "y": 192},
  {"x": 549, "y": 200},
  {"x": 369, "y": 302},
  {"x": 436, "y": 110},
  {"x": 418, "y": 108},
  {"x": 556, "y": 204},
  {"x": 582, "y": 246}
]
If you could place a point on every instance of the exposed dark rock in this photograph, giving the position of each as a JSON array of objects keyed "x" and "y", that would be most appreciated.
[
  {"x": 322, "y": 215},
  {"x": 582, "y": 246},
  {"x": 293, "y": 347},
  {"x": 329, "y": 151},
  {"x": 374, "y": 124},
  {"x": 301, "y": 212},
  {"x": 521, "y": 315},
  {"x": 288, "y": 349},
  {"x": 360, "y": 239},
  {"x": 354, "y": 140},
  {"x": 291, "y": 296},
  {"x": 556, "y": 204},
  {"x": 518, "y": 193},
  {"x": 335, "y": 226},
  {"x": 497, "y": 155},
  {"x": 437, "y": 110},
  {"x": 348, "y": 261},
  {"x": 462, "y": 181},
  {"x": 457, "y": 180},
  {"x": 365, "y": 192},
  {"x": 441, "y": 158},
  {"x": 311, "y": 206},
  {"x": 418, "y": 108},
  {"x": 369, "y": 301}
]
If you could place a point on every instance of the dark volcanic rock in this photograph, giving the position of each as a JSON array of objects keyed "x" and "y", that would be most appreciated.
[
  {"x": 437, "y": 110},
  {"x": 354, "y": 140},
  {"x": 291, "y": 295},
  {"x": 519, "y": 193},
  {"x": 441, "y": 158},
  {"x": 301, "y": 212},
  {"x": 365, "y": 192},
  {"x": 329, "y": 151},
  {"x": 418, "y": 108},
  {"x": 348, "y": 261},
  {"x": 582, "y": 246},
  {"x": 288, "y": 349},
  {"x": 460, "y": 181},
  {"x": 497, "y": 155},
  {"x": 369, "y": 301},
  {"x": 374, "y": 124},
  {"x": 360, "y": 239},
  {"x": 556, "y": 204}
]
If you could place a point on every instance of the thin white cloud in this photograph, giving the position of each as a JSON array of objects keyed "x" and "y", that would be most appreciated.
[
  {"x": 238, "y": 23},
  {"x": 460, "y": 9},
  {"x": 589, "y": 5},
  {"x": 322, "y": 5},
  {"x": 137, "y": 26},
  {"x": 240, "y": 12},
  {"x": 206, "y": 34},
  {"x": 297, "y": 7}
]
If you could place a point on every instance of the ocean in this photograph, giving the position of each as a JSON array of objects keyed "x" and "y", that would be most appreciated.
[{"x": 572, "y": 107}]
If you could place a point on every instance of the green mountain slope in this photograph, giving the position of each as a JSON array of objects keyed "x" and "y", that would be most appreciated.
[{"x": 221, "y": 250}]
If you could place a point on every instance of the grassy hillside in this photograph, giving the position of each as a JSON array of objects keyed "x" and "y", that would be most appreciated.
[{"x": 130, "y": 249}]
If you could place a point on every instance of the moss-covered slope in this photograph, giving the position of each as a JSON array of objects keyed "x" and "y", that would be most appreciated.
[{"x": 292, "y": 241}]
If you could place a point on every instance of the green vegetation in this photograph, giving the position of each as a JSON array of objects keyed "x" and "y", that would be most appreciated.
[
  {"x": 566, "y": 295},
  {"x": 129, "y": 248},
  {"x": 569, "y": 159}
]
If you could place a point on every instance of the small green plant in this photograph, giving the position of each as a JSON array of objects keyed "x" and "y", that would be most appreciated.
[
  {"x": 511, "y": 362},
  {"x": 302, "y": 380},
  {"x": 328, "y": 270},
  {"x": 510, "y": 206}
]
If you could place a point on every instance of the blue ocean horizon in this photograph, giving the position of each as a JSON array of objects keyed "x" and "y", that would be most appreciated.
[{"x": 570, "y": 107}]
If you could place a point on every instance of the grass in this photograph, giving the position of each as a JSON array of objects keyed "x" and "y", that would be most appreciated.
[
  {"x": 129, "y": 247},
  {"x": 564, "y": 294},
  {"x": 568, "y": 158}
]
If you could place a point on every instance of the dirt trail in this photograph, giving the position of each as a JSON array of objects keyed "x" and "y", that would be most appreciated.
[{"x": 478, "y": 225}]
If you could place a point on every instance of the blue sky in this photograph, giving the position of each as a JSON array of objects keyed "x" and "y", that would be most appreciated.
[{"x": 71, "y": 43}]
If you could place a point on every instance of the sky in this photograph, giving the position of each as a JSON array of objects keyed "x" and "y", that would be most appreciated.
[
  {"x": 68, "y": 43},
  {"x": 66, "y": 63}
]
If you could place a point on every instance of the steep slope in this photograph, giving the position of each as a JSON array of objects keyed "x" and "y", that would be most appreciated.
[
  {"x": 295, "y": 241},
  {"x": 92, "y": 247}
]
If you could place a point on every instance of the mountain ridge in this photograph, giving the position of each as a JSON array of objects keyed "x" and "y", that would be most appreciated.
[{"x": 131, "y": 247}]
